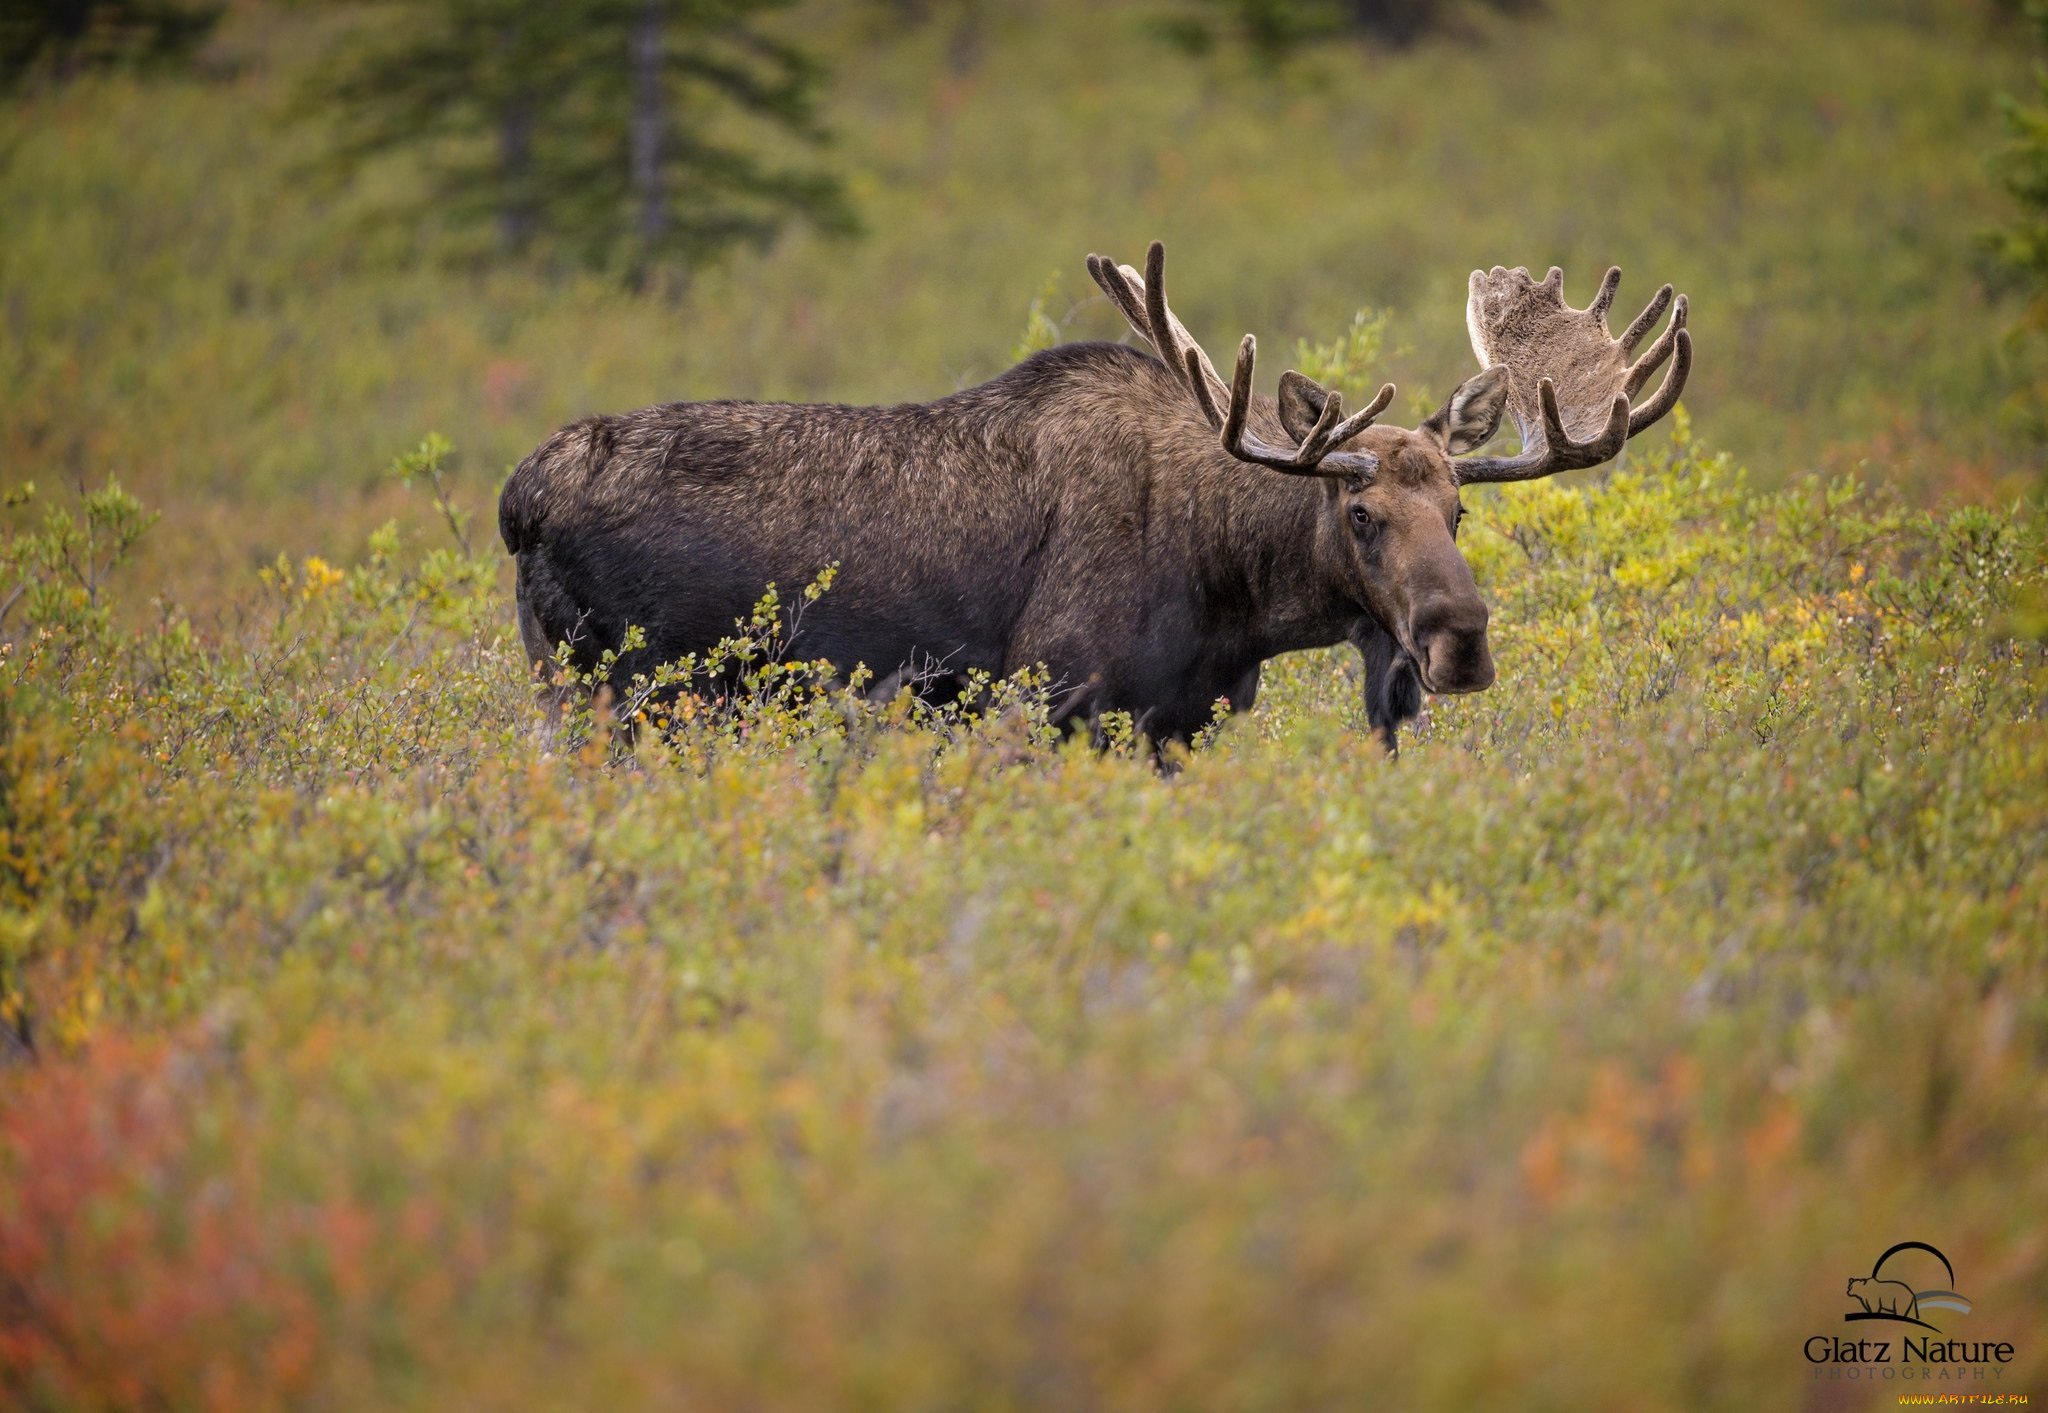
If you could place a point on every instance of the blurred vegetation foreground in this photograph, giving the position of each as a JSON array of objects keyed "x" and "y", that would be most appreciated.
[{"x": 370, "y": 1040}]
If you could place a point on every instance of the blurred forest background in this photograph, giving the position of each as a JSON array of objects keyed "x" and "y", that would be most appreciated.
[{"x": 250, "y": 249}]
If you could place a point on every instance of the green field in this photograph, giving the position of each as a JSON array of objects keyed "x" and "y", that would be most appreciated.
[
  {"x": 373, "y": 1042},
  {"x": 184, "y": 309}
]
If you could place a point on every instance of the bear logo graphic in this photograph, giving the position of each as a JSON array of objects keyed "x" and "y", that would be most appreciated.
[{"x": 1885, "y": 1297}]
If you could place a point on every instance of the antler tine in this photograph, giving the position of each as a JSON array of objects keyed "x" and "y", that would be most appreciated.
[
  {"x": 1232, "y": 425},
  {"x": 1306, "y": 459},
  {"x": 1555, "y": 452},
  {"x": 1653, "y": 357},
  {"x": 1608, "y": 444},
  {"x": 1177, "y": 340},
  {"x": 1155, "y": 304},
  {"x": 1604, "y": 299},
  {"x": 1110, "y": 276},
  {"x": 1644, "y": 322},
  {"x": 1674, "y": 384},
  {"x": 1359, "y": 421},
  {"x": 1207, "y": 400},
  {"x": 1142, "y": 301}
]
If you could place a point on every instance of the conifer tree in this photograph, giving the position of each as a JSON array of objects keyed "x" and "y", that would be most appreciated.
[
  {"x": 635, "y": 134},
  {"x": 2021, "y": 246},
  {"x": 2023, "y": 168},
  {"x": 64, "y": 37}
]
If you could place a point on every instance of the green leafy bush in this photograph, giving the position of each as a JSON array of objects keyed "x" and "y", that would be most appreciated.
[{"x": 400, "y": 1042}]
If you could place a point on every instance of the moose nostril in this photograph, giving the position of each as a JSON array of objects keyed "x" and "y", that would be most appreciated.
[
  {"x": 1451, "y": 641},
  {"x": 1457, "y": 663}
]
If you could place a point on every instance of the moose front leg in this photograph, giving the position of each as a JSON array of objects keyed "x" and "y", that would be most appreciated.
[{"x": 1244, "y": 695}]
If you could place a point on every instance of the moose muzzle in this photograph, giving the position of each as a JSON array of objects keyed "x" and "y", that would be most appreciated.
[{"x": 1448, "y": 638}]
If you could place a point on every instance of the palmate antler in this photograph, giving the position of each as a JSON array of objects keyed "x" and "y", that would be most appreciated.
[
  {"x": 1569, "y": 380},
  {"x": 1143, "y": 303}
]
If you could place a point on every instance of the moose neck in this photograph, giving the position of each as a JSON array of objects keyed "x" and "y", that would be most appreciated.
[
  {"x": 1257, "y": 552},
  {"x": 1278, "y": 566}
]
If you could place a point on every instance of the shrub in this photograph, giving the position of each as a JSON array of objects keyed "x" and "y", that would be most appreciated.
[{"x": 398, "y": 1045}]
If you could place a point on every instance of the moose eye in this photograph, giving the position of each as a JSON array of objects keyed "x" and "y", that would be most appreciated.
[
  {"x": 1362, "y": 521},
  {"x": 1458, "y": 519}
]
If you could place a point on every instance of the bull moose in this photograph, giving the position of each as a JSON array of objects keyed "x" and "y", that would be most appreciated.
[{"x": 1146, "y": 532}]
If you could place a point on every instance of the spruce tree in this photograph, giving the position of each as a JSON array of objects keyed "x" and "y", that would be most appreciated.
[
  {"x": 2023, "y": 169},
  {"x": 61, "y": 38},
  {"x": 2020, "y": 248},
  {"x": 634, "y": 134}
]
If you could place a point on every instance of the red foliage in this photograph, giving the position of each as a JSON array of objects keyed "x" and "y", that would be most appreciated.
[{"x": 133, "y": 1270}]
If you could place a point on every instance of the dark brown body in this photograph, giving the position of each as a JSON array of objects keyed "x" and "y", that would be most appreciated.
[
  {"x": 1143, "y": 530},
  {"x": 1075, "y": 512}
]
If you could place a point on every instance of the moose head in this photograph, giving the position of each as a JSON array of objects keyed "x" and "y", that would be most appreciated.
[{"x": 1391, "y": 506}]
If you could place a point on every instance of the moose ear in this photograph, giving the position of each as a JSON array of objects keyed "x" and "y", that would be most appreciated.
[
  {"x": 1471, "y": 413},
  {"x": 1301, "y": 402}
]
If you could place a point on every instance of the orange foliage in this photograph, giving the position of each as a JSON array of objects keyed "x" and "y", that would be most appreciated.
[{"x": 122, "y": 1289}]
